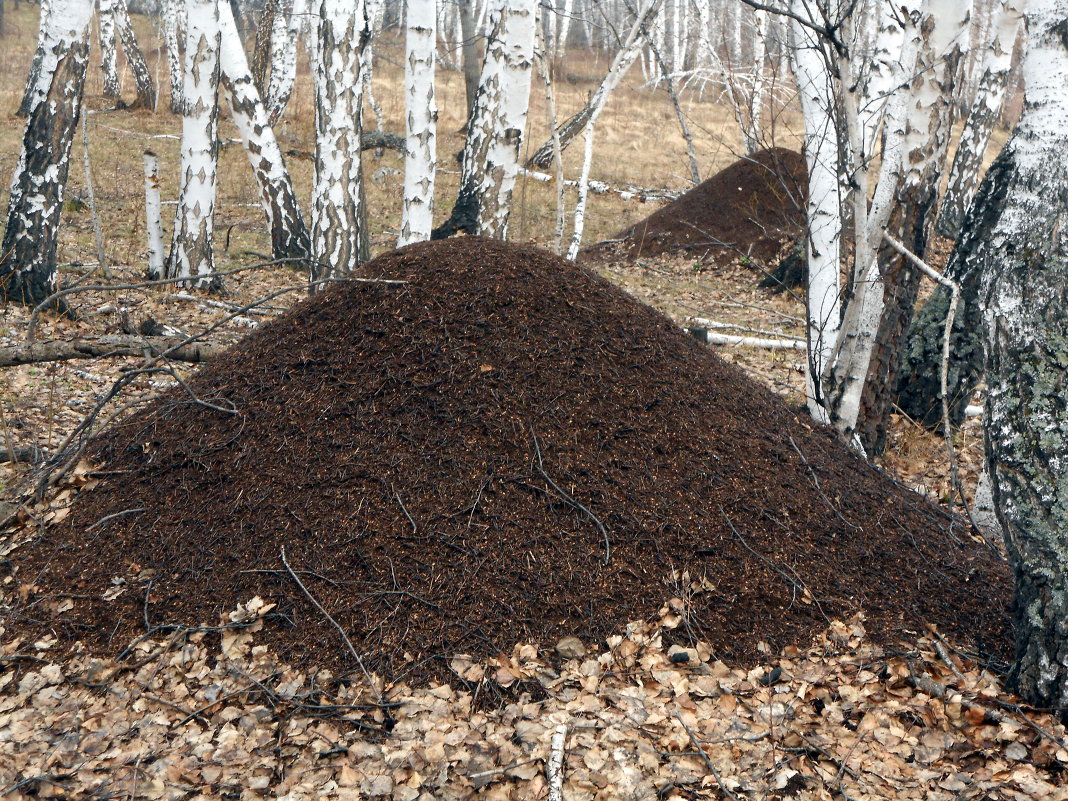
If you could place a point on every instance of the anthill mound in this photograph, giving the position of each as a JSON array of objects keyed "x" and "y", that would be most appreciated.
[
  {"x": 749, "y": 209},
  {"x": 504, "y": 448}
]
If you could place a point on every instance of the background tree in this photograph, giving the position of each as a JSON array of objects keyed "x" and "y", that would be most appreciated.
[{"x": 420, "y": 160}]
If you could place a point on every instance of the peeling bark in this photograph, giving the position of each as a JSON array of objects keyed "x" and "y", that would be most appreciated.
[
  {"x": 287, "y": 26},
  {"x": 146, "y": 89},
  {"x": 174, "y": 53},
  {"x": 28, "y": 251}
]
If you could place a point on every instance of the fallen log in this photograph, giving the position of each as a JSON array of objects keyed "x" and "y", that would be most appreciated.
[{"x": 111, "y": 345}]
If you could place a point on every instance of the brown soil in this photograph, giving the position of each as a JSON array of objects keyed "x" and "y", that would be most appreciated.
[
  {"x": 749, "y": 209},
  {"x": 422, "y": 451}
]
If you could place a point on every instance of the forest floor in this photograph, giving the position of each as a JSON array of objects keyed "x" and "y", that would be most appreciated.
[{"x": 216, "y": 713}]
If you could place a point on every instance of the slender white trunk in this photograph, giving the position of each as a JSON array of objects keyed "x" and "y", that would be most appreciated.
[
  {"x": 563, "y": 28},
  {"x": 420, "y": 160},
  {"x": 108, "y": 56},
  {"x": 289, "y": 20},
  {"x": 191, "y": 245},
  {"x": 153, "y": 215},
  {"x": 755, "y": 134},
  {"x": 823, "y": 207},
  {"x": 625, "y": 56},
  {"x": 146, "y": 88},
  {"x": 289, "y": 235},
  {"x": 336, "y": 197},
  {"x": 171, "y": 14},
  {"x": 968, "y": 161}
]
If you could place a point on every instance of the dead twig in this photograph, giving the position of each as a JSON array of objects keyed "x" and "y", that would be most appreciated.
[
  {"x": 708, "y": 760},
  {"x": 336, "y": 625},
  {"x": 819, "y": 489},
  {"x": 573, "y": 503}
]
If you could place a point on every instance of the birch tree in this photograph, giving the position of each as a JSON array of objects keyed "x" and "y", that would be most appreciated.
[
  {"x": 495, "y": 132},
  {"x": 1024, "y": 264},
  {"x": 43, "y": 59},
  {"x": 420, "y": 159},
  {"x": 146, "y": 88},
  {"x": 289, "y": 235},
  {"x": 968, "y": 161},
  {"x": 287, "y": 25},
  {"x": 108, "y": 54},
  {"x": 337, "y": 199},
  {"x": 28, "y": 250},
  {"x": 191, "y": 247},
  {"x": 171, "y": 16}
]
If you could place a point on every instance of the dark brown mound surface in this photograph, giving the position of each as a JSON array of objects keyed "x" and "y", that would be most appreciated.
[
  {"x": 421, "y": 449},
  {"x": 750, "y": 208}
]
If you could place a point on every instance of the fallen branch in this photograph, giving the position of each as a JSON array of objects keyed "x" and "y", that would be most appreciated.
[
  {"x": 712, "y": 338},
  {"x": 640, "y": 193},
  {"x": 573, "y": 503},
  {"x": 110, "y": 345},
  {"x": 708, "y": 760},
  {"x": 703, "y": 322}
]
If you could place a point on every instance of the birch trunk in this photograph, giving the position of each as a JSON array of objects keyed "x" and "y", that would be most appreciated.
[
  {"x": 373, "y": 9},
  {"x": 1025, "y": 280},
  {"x": 919, "y": 392},
  {"x": 191, "y": 246},
  {"x": 28, "y": 251},
  {"x": 108, "y": 54},
  {"x": 171, "y": 13},
  {"x": 823, "y": 206},
  {"x": 284, "y": 38},
  {"x": 146, "y": 89},
  {"x": 912, "y": 222},
  {"x": 153, "y": 216},
  {"x": 985, "y": 112},
  {"x": 337, "y": 199},
  {"x": 495, "y": 132},
  {"x": 420, "y": 160},
  {"x": 289, "y": 235},
  {"x": 261, "y": 54},
  {"x": 470, "y": 54},
  {"x": 44, "y": 62}
]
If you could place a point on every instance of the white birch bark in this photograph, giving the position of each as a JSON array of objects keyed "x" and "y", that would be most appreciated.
[
  {"x": 28, "y": 249},
  {"x": 153, "y": 216},
  {"x": 420, "y": 161},
  {"x": 563, "y": 28},
  {"x": 41, "y": 55},
  {"x": 108, "y": 55},
  {"x": 146, "y": 88},
  {"x": 823, "y": 206},
  {"x": 336, "y": 196},
  {"x": 495, "y": 132},
  {"x": 1025, "y": 269},
  {"x": 754, "y": 136},
  {"x": 888, "y": 65},
  {"x": 171, "y": 39},
  {"x": 288, "y": 21},
  {"x": 191, "y": 245},
  {"x": 289, "y": 235},
  {"x": 968, "y": 160}
]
